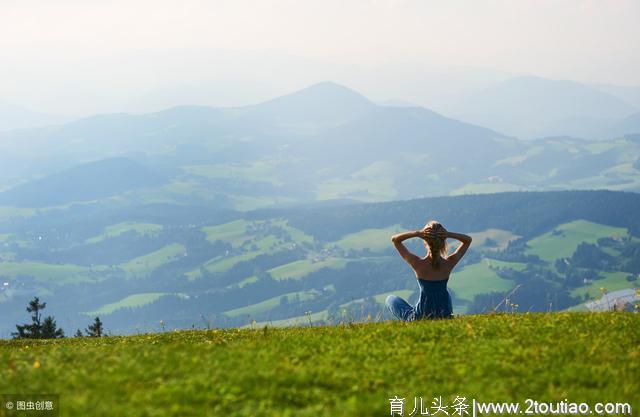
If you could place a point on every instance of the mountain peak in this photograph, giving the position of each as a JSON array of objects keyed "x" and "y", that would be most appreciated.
[
  {"x": 326, "y": 91},
  {"x": 326, "y": 102},
  {"x": 330, "y": 87}
]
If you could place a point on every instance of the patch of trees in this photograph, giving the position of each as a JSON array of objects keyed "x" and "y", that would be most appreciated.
[
  {"x": 38, "y": 328},
  {"x": 539, "y": 289},
  {"x": 485, "y": 303},
  {"x": 588, "y": 255},
  {"x": 525, "y": 213},
  {"x": 47, "y": 328},
  {"x": 121, "y": 248},
  {"x": 514, "y": 252}
]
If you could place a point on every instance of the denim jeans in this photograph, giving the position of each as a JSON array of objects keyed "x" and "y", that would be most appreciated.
[{"x": 400, "y": 308}]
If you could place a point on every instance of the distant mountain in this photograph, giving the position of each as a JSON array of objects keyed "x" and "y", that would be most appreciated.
[
  {"x": 37, "y": 152},
  {"x": 326, "y": 143},
  {"x": 630, "y": 124},
  {"x": 118, "y": 132},
  {"x": 393, "y": 132},
  {"x": 627, "y": 94},
  {"x": 397, "y": 103},
  {"x": 320, "y": 105},
  {"x": 180, "y": 128},
  {"x": 530, "y": 107},
  {"x": 85, "y": 182}
]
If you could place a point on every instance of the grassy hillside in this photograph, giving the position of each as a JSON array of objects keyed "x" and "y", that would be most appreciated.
[
  {"x": 345, "y": 370},
  {"x": 562, "y": 241}
]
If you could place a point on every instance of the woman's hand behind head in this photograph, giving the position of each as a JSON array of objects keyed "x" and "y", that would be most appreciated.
[{"x": 434, "y": 230}]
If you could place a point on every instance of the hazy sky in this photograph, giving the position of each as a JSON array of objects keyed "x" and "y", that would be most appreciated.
[{"x": 81, "y": 56}]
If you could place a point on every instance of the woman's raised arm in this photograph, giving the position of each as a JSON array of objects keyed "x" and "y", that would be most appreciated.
[
  {"x": 402, "y": 249},
  {"x": 461, "y": 250}
]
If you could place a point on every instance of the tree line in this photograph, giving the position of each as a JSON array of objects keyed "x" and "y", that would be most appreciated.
[{"x": 48, "y": 328}]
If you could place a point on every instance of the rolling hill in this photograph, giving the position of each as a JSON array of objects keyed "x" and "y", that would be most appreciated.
[
  {"x": 533, "y": 107},
  {"x": 85, "y": 182},
  {"x": 323, "y": 143},
  {"x": 628, "y": 125}
]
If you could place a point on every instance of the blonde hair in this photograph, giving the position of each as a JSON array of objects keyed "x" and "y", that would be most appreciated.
[{"x": 437, "y": 246}]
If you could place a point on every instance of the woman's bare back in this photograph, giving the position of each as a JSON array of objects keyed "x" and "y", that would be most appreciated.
[{"x": 424, "y": 270}]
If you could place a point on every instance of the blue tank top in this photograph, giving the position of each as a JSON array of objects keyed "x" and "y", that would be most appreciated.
[{"x": 434, "y": 301}]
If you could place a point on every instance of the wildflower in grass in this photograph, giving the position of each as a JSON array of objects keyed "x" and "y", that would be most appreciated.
[{"x": 36, "y": 365}]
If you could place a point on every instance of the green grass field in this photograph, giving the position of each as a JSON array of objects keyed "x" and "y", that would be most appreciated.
[
  {"x": 270, "y": 303},
  {"x": 296, "y": 235},
  {"x": 374, "y": 182},
  {"x": 475, "y": 279},
  {"x": 322, "y": 317},
  {"x": 486, "y": 187},
  {"x": 7, "y": 212},
  {"x": 52, "y": 273},
  {"x": 346, "y": 370},
  {"x": 300, "y": 269},
  {"x": 134, "y": 300},
  {"x": 237, "y": 232},
  {"x": 516, "y": 266},
  {"x": 234, "y": 233},
  {"x": 265, "y": 170},
  {"x": 499, "y": 236},
  {"x": 550, "y": 247},
  {"x": 239, "y": 235},
  {"x": 124, "y": 227},
  {"x": 362, "y": 188},
  {"x": 380, "y": 298},
  {"x": 612, "y": 281},
  {"x": 317, "y": 318},
  {"x": 374, "y": 239},
  {"x": 144, "y": 265},
  {"x": 224, "y": 263}
]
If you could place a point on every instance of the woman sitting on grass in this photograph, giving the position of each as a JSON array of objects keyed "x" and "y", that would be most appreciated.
[{"x": 432, "y": 273}]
